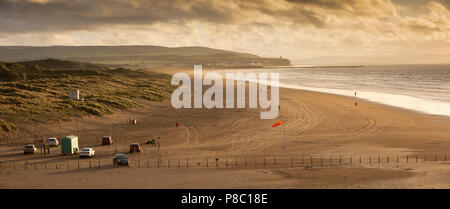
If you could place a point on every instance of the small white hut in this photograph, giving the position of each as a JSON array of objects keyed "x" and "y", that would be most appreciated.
[{"x": 74, "y": 95}]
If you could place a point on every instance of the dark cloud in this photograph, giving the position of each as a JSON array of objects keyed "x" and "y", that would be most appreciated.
[
  {"x": 322, "y": 3},
  {"x": 18, "y": 16},
  {"x": 21, "y": 16}
]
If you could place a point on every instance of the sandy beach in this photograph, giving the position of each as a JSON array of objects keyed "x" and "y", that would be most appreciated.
[{"x": 317, "y": 124}]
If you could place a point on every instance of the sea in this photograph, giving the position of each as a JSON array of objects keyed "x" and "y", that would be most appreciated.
[{"x": 422, "y": 88}]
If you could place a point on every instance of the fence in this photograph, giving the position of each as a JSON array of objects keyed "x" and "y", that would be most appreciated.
[{"x": 225, "y": 162}]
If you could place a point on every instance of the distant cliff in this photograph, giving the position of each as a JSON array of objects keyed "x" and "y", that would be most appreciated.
[{"x": 140, "y": 55}]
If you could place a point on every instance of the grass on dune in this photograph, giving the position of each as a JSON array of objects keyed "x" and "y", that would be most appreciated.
[{"x": 38, "y": 91}]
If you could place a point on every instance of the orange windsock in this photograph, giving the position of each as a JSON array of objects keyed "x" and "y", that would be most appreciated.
[{"x": 277, "y": 124}]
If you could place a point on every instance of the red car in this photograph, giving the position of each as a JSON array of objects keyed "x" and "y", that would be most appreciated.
[
  {"x": 107, "y": 140},
  {"x": 135, "y": 147}
]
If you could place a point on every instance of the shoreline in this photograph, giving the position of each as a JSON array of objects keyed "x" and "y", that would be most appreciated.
[
  {"x": 403, "y": 101},
  {"x": 380, "y": 98}
]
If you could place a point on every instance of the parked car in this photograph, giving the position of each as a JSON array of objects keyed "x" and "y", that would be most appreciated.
[
  {"x": 87, "y": 152},
  {"x": 107, "y": 140},
  {"x": 52, "y": 142},
  {"x": 120, "y": 159},
  {"x": 135, "y": 147},
  {"x": 30, "y": 149}
]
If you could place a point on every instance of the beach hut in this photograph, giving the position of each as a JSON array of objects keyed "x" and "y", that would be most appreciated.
[
  {"x": 75, "y": 95},
  {"x": 69, "y": 145}
]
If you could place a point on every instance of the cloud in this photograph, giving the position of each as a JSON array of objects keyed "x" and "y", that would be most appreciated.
[
  {"x": 438, "y": 20},
  {"x": 44, "y": 15},
  {"x": 25, "y": 15},
  {"x": 290, "y": 28}
]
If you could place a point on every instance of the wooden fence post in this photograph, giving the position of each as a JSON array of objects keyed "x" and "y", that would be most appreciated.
[
  {"x": 425, "y": 158},
  {"x": 302, "y": 159},
  {"x": 340, "y": 160},
  {"x": 187, "y": 162},
  {"x": 360, "y": 159},
  {"x": 99, "y": 164},
  {"x": 168, "y": 163},
  {"x": 292, "y": 161},
  {"x": 416, "y": 158},
  {"x": 275, "y": 160},
  {"x": 379, "y": 159},
  {"x": 235, "y": 160},
  {"x": 407, "y": 159},
  {"x": 370, "y": 159},
  {"x": 351, "y": 160},
  {"x": 178, "y": 162},
  {"x": 387, "y": 159},
  {"x": 321, "y": 161},
  {"x": 311, "y": 160},
  {"x": 398, "y": 161}
]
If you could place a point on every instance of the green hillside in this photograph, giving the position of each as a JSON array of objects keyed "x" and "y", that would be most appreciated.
[{"x": 139, "y": 55}]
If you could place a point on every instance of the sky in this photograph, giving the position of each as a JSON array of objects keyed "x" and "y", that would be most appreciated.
[{"x": 295, "y": 29}]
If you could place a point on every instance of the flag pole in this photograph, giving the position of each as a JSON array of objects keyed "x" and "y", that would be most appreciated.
[{"x": 284, "y": 135}]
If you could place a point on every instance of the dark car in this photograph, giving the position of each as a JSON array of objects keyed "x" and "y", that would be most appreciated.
[
  {"x": 107, "y": 140},
  {"x": 135, "y": 147},
  {"x": 120, "y": 159}
]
